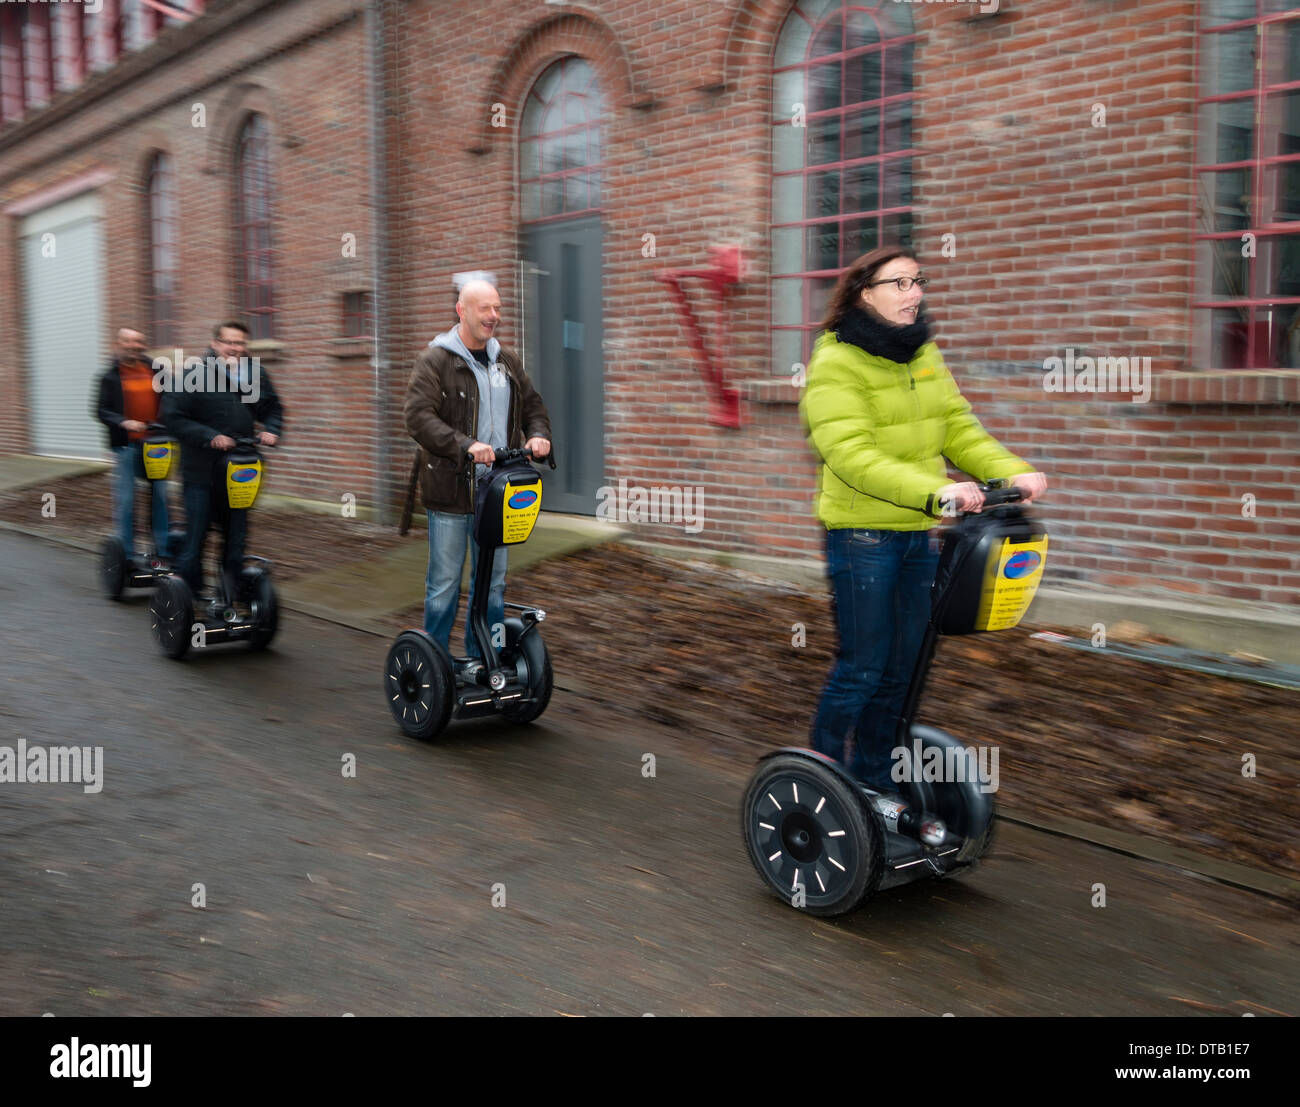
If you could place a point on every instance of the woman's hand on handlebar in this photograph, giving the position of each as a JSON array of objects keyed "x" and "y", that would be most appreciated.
[
  {"x": 964, "y": 496},
  {"x": 1032, "y": 485},
  {"x": 268, "y": 439}
]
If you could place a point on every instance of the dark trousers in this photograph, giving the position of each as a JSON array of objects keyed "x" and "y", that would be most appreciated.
[
  {"x": 880, "y": 582},
  {"x": 205, "y": 504}
]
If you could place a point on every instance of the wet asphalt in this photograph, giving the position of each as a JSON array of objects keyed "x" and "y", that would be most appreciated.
[{"x": 615, "y": 892}]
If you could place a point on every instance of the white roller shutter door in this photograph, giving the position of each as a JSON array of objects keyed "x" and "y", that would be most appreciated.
[{"x": 63, "y": 313}]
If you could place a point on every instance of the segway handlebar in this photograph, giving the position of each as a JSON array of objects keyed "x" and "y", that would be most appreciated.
[
  {"x": 514, "y": 456},
  {"x": 996, "y": 493}
]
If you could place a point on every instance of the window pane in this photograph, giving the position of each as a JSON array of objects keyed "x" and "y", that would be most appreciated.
[
  {"x": 552, "y": 155},
  {"x": 1282, "y": 123},
  {"x": 1228, "y": 329},
  {"x": 898, "y": 230},
  {"x": 862, "y": 134},
  {"x": 898, "y": 183},
  {"x": 830, "y": 39},
  {"x": 787, "y": 252},
  {"x": 531, "y": 121},
  {"x": 898, "y": 69},
  {"x": 862, "y": 78},
  {"x": 575, "y": 192},
  {"x": 1282, "y": 193},
  {"x": 530, "y": 201},
  {"x": 1227, "y": 131},
  {"x": 1277, "y": 329},
  {"x": 862, "y": 187},
  {"x": 1221, "y": 270},
  {"x": 1279, "y": 266},
  {"x": 813, "y": 10},
  {"x": 549, "y": 82},
  {"x": 824, "y": 86},
  {"x": 1282, "y": 51},
  {"x": 787, "y": 302},
  {"x": 898, "y": 125},
  {"x": 552, "y": 197},
  {"x": 1224, "y": 200},
  {"x": 575, "y": 149},
  {"x": 530, "y": 165},
  {"x": 787, "y": 90},
  {"x": 787, "y": 352},
  {"x": 823, "y": 194},
  {"x": 787, "y": 146},
  {"x": 859, "y": 236},
  {"x": 823, "y": 140},
  {"x": 823, "y": 246},
  {"x": 791, "y": 46},
  {"x": 819, "y": 296},
  {"x": 1228, "y": 61},
  {"x": 593, "y": 188},
  {"x": 860, "y": 30},
  {"x": 787, "y": 198}
]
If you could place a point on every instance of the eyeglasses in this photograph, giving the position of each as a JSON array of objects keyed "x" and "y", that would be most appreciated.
[{"x": 904, "y": 283}]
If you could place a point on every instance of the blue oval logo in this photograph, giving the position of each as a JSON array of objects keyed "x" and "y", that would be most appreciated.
[
  {"x": 1021, "y": 565},
  {"x": 243, "y": 476},
  {"x": 158, "y": 451},
  {"x": 524, "y": 498}
]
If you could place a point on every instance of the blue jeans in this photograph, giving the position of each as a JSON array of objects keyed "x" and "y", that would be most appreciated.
[
  {"x": 447, "y": 537},
  {"x": 880, "y": 582},
  {"x": 129, "y": 469}
]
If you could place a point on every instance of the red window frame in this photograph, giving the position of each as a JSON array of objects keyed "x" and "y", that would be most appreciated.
[
  {"x": 254, "y": 252},
  {"x": 576, "y": 94},
  {"x": 162, "y": 244},
  {"x": 357, "y": 317},
  {"x": 889, "y": 209},
  {"x": 1257, "y": 332}
]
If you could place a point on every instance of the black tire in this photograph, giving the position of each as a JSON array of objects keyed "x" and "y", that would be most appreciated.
[
  {"x": 171, "y": 616},
  {"x": 112, "y": 568},
  {"x": 803, "y": 825},
  {"x": 961, "y": 804},
  {"x": 419, "y": 684},
  {"x": 532, "y": 663},
  {"x": 259, "y": 592}
]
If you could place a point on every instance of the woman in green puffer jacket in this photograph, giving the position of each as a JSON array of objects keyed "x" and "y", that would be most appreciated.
[{"x": 882, "y": 413}]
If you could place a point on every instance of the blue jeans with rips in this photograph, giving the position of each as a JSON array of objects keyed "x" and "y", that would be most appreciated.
[
  {"x": 880, "y": 584},
  {"x": 448, "y": 535},
  {"x": 129, "y": 469}
]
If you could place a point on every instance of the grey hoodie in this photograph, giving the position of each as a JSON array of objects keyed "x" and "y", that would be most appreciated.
[{"x": 493, "y": 390}]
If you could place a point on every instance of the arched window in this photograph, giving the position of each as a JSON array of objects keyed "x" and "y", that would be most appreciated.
[
  {"x": 162, "y": 263},
  {"x": 559, "y": 142},
  {"x": 254, "y": 286},
  {"x": 841, "y": 154}
]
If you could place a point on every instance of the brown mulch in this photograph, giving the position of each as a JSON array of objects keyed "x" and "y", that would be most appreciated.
[{"x": 1139, "y": 747}]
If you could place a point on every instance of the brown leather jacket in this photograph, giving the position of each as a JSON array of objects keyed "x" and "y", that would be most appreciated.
[{"x": 442, "y": 416}]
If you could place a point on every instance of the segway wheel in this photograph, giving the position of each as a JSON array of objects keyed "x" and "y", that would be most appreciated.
[
  {"x": 265, "y": 608},
  {"x": 112, "y": 568},
  {"x": 532, "y": 662},
  {"x": 171, "y": 616},
  {"x": 809, "y": 837},
  {"x": 418, "y": 684}
]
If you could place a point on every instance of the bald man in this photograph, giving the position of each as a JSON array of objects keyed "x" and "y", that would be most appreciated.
[
  {"x": 468, "y": 397},
  {"x": 127, "y": 405}
]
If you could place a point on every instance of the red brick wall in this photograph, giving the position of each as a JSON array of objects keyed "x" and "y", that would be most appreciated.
[{"x": 1067, "y": 235}]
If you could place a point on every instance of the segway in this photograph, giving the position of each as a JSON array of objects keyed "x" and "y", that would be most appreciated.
[
  {"x": 118, "y": 569},
  {"x": 825, "y": 842},
  {"x": 243, "y": 609},
  {"x": 424, "y": 685}
]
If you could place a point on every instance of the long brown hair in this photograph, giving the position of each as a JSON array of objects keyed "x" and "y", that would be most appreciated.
[{"x": 855, "y": 278}]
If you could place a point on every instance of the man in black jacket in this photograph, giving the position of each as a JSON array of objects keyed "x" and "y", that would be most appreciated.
[
  {"x": 127, "y": 404},
  {"x": 207, "y": 410}
]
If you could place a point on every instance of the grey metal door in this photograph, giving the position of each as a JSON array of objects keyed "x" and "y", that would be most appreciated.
[{"x": 562, "y": 339}]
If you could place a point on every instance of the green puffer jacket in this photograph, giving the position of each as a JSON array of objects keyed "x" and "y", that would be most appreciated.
[{"x": 882, "y": 430}]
